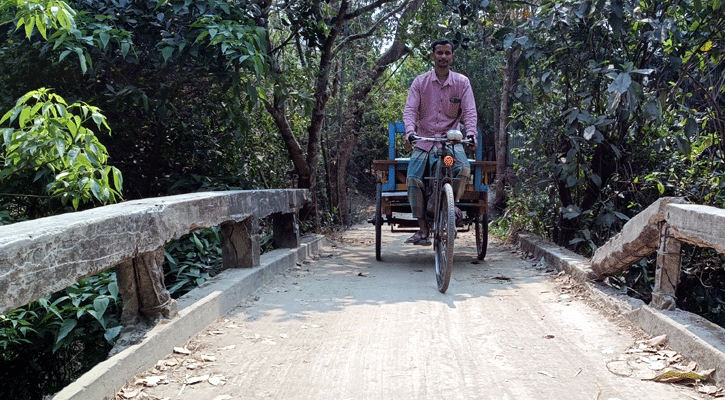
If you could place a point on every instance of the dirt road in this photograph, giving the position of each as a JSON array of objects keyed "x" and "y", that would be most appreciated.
[{"x": 348, "y": 327}]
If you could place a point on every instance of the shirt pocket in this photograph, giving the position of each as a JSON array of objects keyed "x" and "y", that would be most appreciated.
[{"x": 454, "y": 107}]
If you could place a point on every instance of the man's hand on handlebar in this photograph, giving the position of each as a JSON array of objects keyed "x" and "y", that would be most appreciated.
[
  {"x": 409, "y": 139},
  {"x": 473, "y": 145}
]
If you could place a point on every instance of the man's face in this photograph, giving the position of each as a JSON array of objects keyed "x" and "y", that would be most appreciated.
[{"x": 443, "y": 56}]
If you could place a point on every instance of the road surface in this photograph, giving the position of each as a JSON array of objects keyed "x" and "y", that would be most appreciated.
[{"x": 348, "y": 327}]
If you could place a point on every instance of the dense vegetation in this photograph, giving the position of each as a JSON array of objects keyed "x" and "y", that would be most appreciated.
[{"x": 616, "y": 103}]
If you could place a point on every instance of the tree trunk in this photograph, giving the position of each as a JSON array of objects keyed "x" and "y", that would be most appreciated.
[{"x": 510, "y": 81}]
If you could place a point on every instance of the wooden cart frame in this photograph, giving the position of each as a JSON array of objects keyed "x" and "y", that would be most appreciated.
[{"x": 391, "y": 199}]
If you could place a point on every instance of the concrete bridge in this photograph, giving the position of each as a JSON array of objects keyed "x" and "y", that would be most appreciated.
[{"x": 346, "y": 326}]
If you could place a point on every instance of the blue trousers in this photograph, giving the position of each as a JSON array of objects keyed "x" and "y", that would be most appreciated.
[{"x": 422, "y": 164}]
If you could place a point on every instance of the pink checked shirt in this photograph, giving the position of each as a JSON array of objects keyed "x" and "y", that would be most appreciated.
[{"x": 432, "y": 107}]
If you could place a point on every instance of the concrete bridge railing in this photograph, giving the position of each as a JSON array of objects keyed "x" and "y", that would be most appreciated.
[
  {"x": 43, "y": 256},
  {"x": 661, "y": 228}
]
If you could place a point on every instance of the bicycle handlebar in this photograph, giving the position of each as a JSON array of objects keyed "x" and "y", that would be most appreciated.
[{"x": 415, "y": 138}]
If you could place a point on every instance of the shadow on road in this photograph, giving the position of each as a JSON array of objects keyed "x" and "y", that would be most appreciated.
[{"x": 347, "y": 274}]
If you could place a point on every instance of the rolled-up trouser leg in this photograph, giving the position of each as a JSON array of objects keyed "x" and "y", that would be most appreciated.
[
  {"x": 463, "y": 172},
  {"x": 414, "y": 180},
  {"x": 415, "y": 196}
]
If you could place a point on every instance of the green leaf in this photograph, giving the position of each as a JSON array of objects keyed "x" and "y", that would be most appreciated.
[
  {"x": 125, "y": 47},
  {"x": 39, "y": 23},
  {"x": 691, "y": 127},
  {"x": 112, "y": 333},
  {"x": 621, "y": 83},
  {"x": 113, "y": 289},
  {"x": 65, "y": 328},
  {"x": 167, "y": 52},
  {"x": 117, "y": 179},
  {"x": 100, "y": 304},
  {"x": 60, "y": 147},
  {"x": 571, "y": 212},
  {"x": 29, "y": 25},
  {"x": 82, "y": 60},
  {"x": 104, "y": 37},
  {"x": 98, "y": 119},
  {"x": 684, "y": 145},
  {"x": 196, "y": 241},
  {"x": 96, "y": 190}
]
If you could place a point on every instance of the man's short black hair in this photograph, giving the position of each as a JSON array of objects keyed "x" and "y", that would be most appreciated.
[{"x": 439, "y": 42}]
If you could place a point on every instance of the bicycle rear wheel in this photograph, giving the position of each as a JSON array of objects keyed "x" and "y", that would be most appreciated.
[{"x": 445, "y": 233}]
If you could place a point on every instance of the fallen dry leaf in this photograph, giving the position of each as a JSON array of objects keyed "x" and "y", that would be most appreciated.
[
  {"x": 151, "y": 381},
  {"x": 656, "y": 341},
  {"x": 197, "y": 379},
  {"x": 708, "y": 389},
  {"x": 182, "y": 350},
  {"x": 216, "y": 380},
  {"x": 129, "y": 393}
]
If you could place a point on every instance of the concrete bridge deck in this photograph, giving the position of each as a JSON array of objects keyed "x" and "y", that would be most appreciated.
[{"x": 345, "y": 326}]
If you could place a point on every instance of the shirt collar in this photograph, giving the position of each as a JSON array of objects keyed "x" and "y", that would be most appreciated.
[{"x": 448, "y": 78}]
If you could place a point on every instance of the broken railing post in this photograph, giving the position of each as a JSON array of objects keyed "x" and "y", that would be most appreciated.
[
  {"x": 141, "y": 284},
  {"x": 285, "y": 230},
  {"x": 667, "y": 276},
  {"x": 240, "y": 243}
]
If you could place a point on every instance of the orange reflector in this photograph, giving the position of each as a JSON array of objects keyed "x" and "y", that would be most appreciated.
[{"x": 448, "y": 161}]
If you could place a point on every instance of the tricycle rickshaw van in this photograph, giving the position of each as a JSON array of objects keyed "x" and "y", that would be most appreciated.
[{"x": 391, "y": 199}]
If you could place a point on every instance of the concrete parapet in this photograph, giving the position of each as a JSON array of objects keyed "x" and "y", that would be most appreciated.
[
  {"x": 45, "y": 255},
  {"x": 639, "y": 238},
  {"x": 698, "y": 225}
]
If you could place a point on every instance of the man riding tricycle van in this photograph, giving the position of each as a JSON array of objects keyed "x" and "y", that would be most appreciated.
[{"x": 437, "y": 182}]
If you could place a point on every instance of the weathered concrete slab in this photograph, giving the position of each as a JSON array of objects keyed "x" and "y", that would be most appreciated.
[
  {"x": 42, "y": 256},
  {"x": 639, "y": 238},
  {"x": 698, "y": 225}
]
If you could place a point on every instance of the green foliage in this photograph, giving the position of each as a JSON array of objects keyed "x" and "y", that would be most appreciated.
[
  {"x": 177, "y": 81},
  {"x": 50, "y": 146},
  {"x": 702, "y": 283},
  {"x": 530, "y": 209},
  {"x": 192, "y": 260},
  {"x": 611, "y": 113},
  {"x": 40, "y": 15},
  {"x": 50, "y": 342}
]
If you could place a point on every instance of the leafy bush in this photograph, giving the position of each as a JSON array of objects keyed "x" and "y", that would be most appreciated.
[
  {"x": 51, "y": 342},
  {"x": 196, "y": 257},
  {"x": 192, "y": 260},
  {"x": 49, "y": 153}
]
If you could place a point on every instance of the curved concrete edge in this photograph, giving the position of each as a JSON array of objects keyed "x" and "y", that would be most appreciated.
[
  {"x": 197, "y": 309},
  {"x": 691, "y": 335}
]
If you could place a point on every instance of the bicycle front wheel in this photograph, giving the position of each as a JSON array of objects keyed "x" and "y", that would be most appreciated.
[{"x": 445, "y": 234}]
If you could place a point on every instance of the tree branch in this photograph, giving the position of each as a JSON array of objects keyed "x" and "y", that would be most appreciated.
[
  {"x": 362, "y": 10},
  {"x": 372, "y": 29},
  {"x": 284, "y": 43}
]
